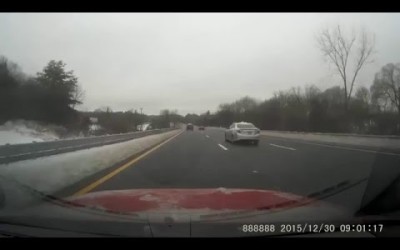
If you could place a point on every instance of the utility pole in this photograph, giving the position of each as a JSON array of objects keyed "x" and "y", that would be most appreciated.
[{"x": 141, "y": 116}]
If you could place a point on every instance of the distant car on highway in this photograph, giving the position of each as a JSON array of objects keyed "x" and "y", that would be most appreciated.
[
  {"x": 189, "y": 126},
  {"x": 242, "y": 131},
  {"x": 202, "y": 128}
]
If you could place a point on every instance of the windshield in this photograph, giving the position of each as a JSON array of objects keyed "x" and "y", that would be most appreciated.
[{"x": 200, "y": 124}]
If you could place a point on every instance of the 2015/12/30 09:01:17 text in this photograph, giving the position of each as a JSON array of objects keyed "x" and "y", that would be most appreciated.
[{"x": 310, "y": 228}]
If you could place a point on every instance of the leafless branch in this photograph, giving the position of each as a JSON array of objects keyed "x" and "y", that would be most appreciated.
[{"x": 338, "y": 49}]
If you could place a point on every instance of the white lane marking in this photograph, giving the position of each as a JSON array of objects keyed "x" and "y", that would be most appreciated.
[
  {"x": 279, "y": 146},
  {"x": 207, "y": 136},
  {"x": 224, "y": 148},
  {"x": 354, "y": 149},
  {"x": 342, "y": 147}
]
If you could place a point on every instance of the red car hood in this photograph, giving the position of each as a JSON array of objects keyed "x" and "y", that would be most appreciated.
[
  {"x": 205, "y": 202},
  {"x": 183, "y": 211},
  {"x": 141, "y": 200}
]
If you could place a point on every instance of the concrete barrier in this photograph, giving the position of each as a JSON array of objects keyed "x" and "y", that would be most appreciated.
[
  {"x": 335, "y": 134},
  {"x": 383, "y": 142}
]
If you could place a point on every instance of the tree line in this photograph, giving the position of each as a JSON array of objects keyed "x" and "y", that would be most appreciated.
[
  {"x": 49, "y": 97},
  {"x": 114, "y": 122},
  {"x": 52, "y": 95},
  {"x": 373, "y": 110}
]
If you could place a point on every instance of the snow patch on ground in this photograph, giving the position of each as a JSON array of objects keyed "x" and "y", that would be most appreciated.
[
  {"x": 12, "y": 137},
  {"x": 21, "y": 131},
  {"x": 51, "y": 173}
]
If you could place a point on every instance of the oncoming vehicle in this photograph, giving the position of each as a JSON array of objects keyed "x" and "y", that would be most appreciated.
[
  {"x": 201, "y": 128},
  {"x": 189, "y": 126},
  {"x": 242, "y": 131}
]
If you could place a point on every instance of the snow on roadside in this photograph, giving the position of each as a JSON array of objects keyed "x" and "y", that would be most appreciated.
[
  {"x": 52, "y": 173},
  {"x": 20, "y": 131},
  {"x": 13, "y": 137}
]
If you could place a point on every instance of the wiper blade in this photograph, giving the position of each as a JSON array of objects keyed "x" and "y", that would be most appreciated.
[
  {"x": 319, "y": 195},
  {"x": 290, "y": 204}
]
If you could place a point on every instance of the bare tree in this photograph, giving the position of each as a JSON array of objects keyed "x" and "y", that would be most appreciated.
[
  {"x": 104, "y": 109},
  {"x": 386, "y": 88},
  {"x": 311, "y": 92},
  {"x": 363, "y": 94},
  {"x": 296, "y": 94},
  {"x": 340, "y": 49},
  {"x": 245, "y": 104}
]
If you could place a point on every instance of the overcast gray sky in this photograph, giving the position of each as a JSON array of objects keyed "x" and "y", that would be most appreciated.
[{"x": 191, "y": 62}]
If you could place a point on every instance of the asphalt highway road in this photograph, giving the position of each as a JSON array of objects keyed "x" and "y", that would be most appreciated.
[{"x": 203, "y": 159}]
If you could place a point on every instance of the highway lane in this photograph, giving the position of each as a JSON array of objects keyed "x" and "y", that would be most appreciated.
[
  {"x": 298, "y": 163},
  {"x": 202, "y": 159}
]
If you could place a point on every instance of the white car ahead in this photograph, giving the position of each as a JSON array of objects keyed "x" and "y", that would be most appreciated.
[{"x": 242, "y": 131}]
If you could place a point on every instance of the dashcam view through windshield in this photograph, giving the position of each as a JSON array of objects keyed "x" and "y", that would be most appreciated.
[{"x": 200, "y": 124}]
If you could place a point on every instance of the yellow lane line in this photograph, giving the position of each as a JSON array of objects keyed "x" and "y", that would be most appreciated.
[{"x": 121, "y": 168}]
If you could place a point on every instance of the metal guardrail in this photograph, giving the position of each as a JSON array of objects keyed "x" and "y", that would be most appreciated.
[{"x": 12, "y": 153}]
